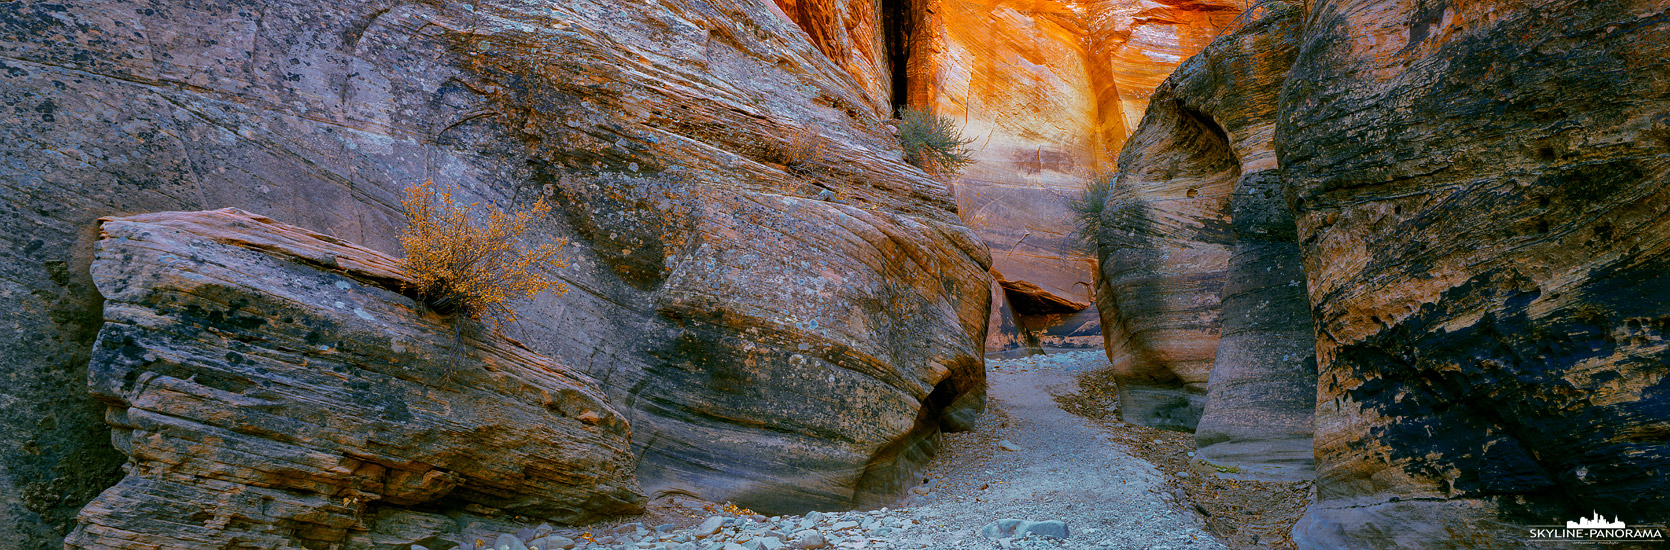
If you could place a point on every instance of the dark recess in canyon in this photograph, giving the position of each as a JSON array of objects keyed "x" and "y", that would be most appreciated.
[{"x": 898, "y": 21}]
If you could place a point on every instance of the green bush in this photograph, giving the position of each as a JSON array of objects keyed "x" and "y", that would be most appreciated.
[
  {"x": 933, "y": 143},
  {"x": 1087, "y": 210}
]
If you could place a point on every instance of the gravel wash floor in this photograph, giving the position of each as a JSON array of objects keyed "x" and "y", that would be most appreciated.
[
  {"x": 1066, "y": 469},
  {"x": 1115, "y": 485}
]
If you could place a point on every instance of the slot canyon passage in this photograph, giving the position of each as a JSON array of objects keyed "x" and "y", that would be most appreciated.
[{"x": 1358, "y": 274}]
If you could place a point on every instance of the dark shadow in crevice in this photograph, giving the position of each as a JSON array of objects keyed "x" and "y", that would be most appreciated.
[
  {"x": 953, "y": 405},
  {"x": 898, "y": 26}
]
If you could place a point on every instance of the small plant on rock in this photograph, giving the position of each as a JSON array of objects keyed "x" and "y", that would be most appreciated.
[
  {"x": 933, "y": 143},
  {"x": 1087, "y": 208},
  {"x": 806, "y": 153},
  {"x": 460, "y": 267}
]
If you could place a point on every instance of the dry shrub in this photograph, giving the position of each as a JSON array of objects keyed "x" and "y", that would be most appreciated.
[
  {"x": 933, "y": 143},
  {"x": 458, "y": 266},
  {"x": 805, "y": 153},
  {"x": 1087, "y": 208}
]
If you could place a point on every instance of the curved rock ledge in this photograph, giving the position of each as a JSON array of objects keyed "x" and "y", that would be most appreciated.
[{"x": 271, "y": 386}]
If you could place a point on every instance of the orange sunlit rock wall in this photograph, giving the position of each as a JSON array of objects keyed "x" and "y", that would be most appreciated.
[
  {"x": 1134, "y": 45},
  {"x": 1049, "y": 90},
  {"x": 851, "y": 34}
]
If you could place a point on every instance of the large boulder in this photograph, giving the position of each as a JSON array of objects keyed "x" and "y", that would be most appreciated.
[
  {"x": 684, "y": 146},
  {"x": 271, "y": 386},
  {"x": 1482, "y": 206}
]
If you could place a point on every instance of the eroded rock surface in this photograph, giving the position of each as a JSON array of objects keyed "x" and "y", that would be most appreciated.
[
  {"x": 271, "y": 386},
  {"x": 1203, "y": 289},
  {"x": 1485, "y": 222},
  {"x": 1165, "y": 244},
  {"x": 1480, "y": 207},
  {"x": 869, "y": 40},
  {"x": 717, "y": 300},
  {"x": 1261, "y": 392},
  {"x": 1048, "y": 90}
]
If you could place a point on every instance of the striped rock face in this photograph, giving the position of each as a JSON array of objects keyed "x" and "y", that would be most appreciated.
[
  {"x": 271, "y": 386},
  {"x": 1475, "y": 197},
  {"x": 1200, "y": 244},
  {"x": 1482, "y": 210},
  {"x": 746, "y": 328}
]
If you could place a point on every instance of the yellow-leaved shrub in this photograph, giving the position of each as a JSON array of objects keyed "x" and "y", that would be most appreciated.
[{"x": 459, "y": 266}]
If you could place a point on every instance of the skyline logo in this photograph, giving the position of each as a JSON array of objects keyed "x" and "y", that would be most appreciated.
[
  {"x": 1597, "y": 522},
  {"x": 1597, "y": 529}
]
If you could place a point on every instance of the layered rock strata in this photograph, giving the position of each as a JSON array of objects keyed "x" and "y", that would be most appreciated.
[
  {"x": 1480, "y": 210},
  {"x": 1261, "y": 391},
  {"x": 684, "y": 146},
  {"x": 866, "y": 39},
  {"x": 1484, "y": 215},
  {"x": 1166, "y": 239},
  {"x": 272, "y": 386},
  {"x": 1048, "y": 90}
]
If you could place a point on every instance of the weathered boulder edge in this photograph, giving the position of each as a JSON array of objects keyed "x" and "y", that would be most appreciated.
[{"x": 271, "y": 385}]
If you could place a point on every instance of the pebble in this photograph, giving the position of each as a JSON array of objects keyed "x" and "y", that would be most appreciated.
[
  {"x": 709, "y": 527},
  {"x": 1007, "y": 531},
  {"x": 552, "y": 542},
  {"x": 509, "y": 542}
]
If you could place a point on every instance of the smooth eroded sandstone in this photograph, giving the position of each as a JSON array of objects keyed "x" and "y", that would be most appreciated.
[
  {"x": 1485, "y": 223},
  {"x": 1013, "y": 75},
  {"x": 1203, "y": 295},
  {"x": 1261, "y": 392},
  {"x": 1048, "y": 91},
  {"x": 272, "y": 386},
  {"x": 684, "y": 146},
  {"x": 1165, "y": 242}
]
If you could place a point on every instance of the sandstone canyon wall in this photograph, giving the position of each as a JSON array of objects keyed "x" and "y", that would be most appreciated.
[
  {"x": 718, "y": 303},
  {"x": 1203, "y": 276},
  {"x": 1048, "y": 90},
  {"x": 271, "y": 386},
  {"x": 869, "y": 39},
  {"x": 1479, "y": 195},
  {"x": 1483, "y": 200}
]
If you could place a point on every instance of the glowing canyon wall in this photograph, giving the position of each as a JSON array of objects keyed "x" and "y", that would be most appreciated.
[{"x": 1049, "y": 90}]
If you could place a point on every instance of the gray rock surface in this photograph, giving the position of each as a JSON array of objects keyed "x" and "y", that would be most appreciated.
[
  {"x": 273, "y": 386},
  {"x": 1013, "y": 528},
  {"x": 708, "y": 280}
]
